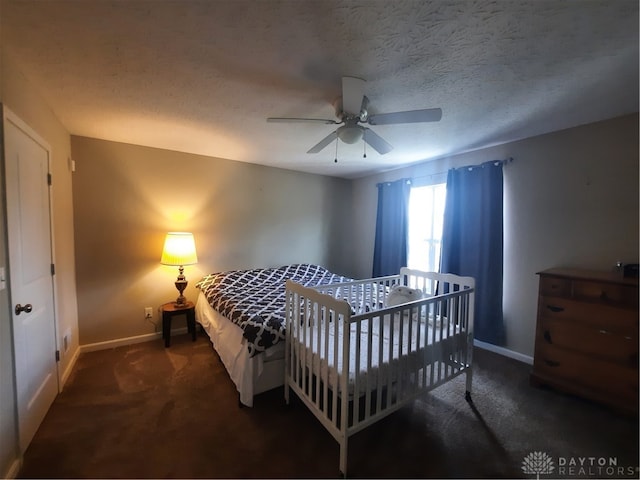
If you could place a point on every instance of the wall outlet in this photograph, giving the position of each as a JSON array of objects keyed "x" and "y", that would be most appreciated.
[{"x": 148, "y": 312}]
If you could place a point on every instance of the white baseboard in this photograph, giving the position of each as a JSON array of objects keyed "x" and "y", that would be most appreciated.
[
  {"x": 120, "y": 342},
  {"x": 504, "y": 351},
  {"x": 14, "y": 469},
  {"x": 67, "y": 372}
]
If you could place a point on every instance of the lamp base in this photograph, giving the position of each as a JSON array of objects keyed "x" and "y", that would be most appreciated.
[{"x": 181, "y": 283}]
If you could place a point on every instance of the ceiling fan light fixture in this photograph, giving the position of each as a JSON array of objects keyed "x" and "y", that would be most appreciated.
[{"x": 350, "y": 133}]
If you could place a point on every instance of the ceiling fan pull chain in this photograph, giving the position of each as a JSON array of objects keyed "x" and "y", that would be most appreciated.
[
  {"x": 364, "y": 144},
  {"x": 335, "y": 160}
]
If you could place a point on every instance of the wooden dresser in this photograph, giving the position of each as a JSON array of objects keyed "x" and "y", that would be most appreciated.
[{"x": 587, "y": 336}]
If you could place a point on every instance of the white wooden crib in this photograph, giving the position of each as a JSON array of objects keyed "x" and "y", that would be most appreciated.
[{"x": 393, "y": 353}]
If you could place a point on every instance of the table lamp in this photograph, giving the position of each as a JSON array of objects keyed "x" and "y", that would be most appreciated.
[{"x": 179, "y": 250}]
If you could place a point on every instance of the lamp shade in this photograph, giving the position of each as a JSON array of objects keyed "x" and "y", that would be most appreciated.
[{"x": 179, "y": 249}]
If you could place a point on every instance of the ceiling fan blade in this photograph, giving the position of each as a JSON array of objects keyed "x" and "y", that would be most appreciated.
[
  {"x": 352, "y": 94},
  {"x": 301, "y": 120},
  {"x": 324, "y": 142},
  {"x": 412, "y": 116},
  {"x": 378, "y": 143}
]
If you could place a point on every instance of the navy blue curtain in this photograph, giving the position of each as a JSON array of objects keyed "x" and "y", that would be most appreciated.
[
  {"x": 392, "y": 228},
  {"x": 472, "y": 240}
]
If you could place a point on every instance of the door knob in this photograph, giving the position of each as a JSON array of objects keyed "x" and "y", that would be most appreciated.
[{"x": 26, "y": 308}]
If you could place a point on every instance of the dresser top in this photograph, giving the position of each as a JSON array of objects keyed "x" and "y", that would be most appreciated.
[{"x": 595, "y": 275}]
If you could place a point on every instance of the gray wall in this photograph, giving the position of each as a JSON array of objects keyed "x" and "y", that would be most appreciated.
[
  {"x": 242, "y": 215},
  {"x": 571, "y": 199}
]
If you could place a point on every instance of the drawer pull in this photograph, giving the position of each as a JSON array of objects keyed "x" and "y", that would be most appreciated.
[
  {"x": 604, "y": 332},
  {"x": 547, "y": 336},
  {"x": 555, "y": 309},
  {"x": 552, "y": 363}
]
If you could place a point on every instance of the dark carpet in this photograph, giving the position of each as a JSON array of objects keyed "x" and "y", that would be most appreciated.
[{"x": 144, "y": 411}]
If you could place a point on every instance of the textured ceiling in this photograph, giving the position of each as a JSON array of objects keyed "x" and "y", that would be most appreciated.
[{"x": 202, "y": 76}]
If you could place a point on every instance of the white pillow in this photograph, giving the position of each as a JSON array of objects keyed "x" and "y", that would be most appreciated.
[{"x": 400, "y": 294}]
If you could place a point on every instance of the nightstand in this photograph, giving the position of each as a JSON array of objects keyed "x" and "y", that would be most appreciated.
[{"x": 170, "y": 310}]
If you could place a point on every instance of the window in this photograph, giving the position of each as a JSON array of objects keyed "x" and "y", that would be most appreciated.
[{"x": 426, "y": 213}]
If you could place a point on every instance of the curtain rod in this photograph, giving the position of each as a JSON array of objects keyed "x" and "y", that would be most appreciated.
[
  {"x": 389, "y": 182},
  {"x": 493, "y": 162},
  {"x": 432, "y": 175}
]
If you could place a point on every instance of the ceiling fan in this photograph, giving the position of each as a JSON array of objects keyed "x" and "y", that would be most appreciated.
[{"x": 351, "y": 111}]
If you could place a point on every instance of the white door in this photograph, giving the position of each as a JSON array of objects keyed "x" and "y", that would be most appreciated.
[{"x": 29, "y": 234}]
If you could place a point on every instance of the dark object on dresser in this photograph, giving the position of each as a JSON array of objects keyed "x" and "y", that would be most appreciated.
[
  {"x": 587, "y": 336},
  {"x": 630, "y": 270}
]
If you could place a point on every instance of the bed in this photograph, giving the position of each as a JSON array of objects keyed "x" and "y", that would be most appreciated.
[
  {"x": 353, "y": 358},
  {"x": 242, "y": 312}
]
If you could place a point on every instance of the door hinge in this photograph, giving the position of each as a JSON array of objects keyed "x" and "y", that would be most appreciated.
[
  {"x": 49, "y": 179},
  {"x": 53, "y": 269},
  {"x": 57, "y": 355}
]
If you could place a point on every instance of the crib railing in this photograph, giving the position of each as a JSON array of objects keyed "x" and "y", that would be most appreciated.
[{"x": 352, "y": 361}]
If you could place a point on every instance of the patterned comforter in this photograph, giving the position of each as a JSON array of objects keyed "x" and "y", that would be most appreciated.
[{"x": 255, "y": 299}]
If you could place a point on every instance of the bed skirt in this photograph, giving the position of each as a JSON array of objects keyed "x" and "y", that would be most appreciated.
[{"x": 251, "y": 375}]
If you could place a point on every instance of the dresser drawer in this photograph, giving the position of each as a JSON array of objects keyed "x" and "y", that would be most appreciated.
[
  {"x": 574, "y": 368},
  {"x": 622, "y": 321},
  {"x": 595, "y": 342},
  {"x": 555, "y": 286},
  {"x": 607, "y": 293}
]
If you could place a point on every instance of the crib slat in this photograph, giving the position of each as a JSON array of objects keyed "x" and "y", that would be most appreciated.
[
  {"x": 380, "y": 362},
  {"x": 390, "y": 361},
  {"x": 356, "y": 377},
  {"x": 415, "y": 314},
  {"x": 320, "y": 316},
  {"x": 398, "y": 362},
  {"x": 344, "y": 380},
  {"x": 369, "y": 360},
  {"x": 293, "y": 337},
  {"x": 324, "y": 353},
  {"x": 304, "y": 329},
  {"x": 423, "y": 328},
  {"x": 334, "y": 383}
]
